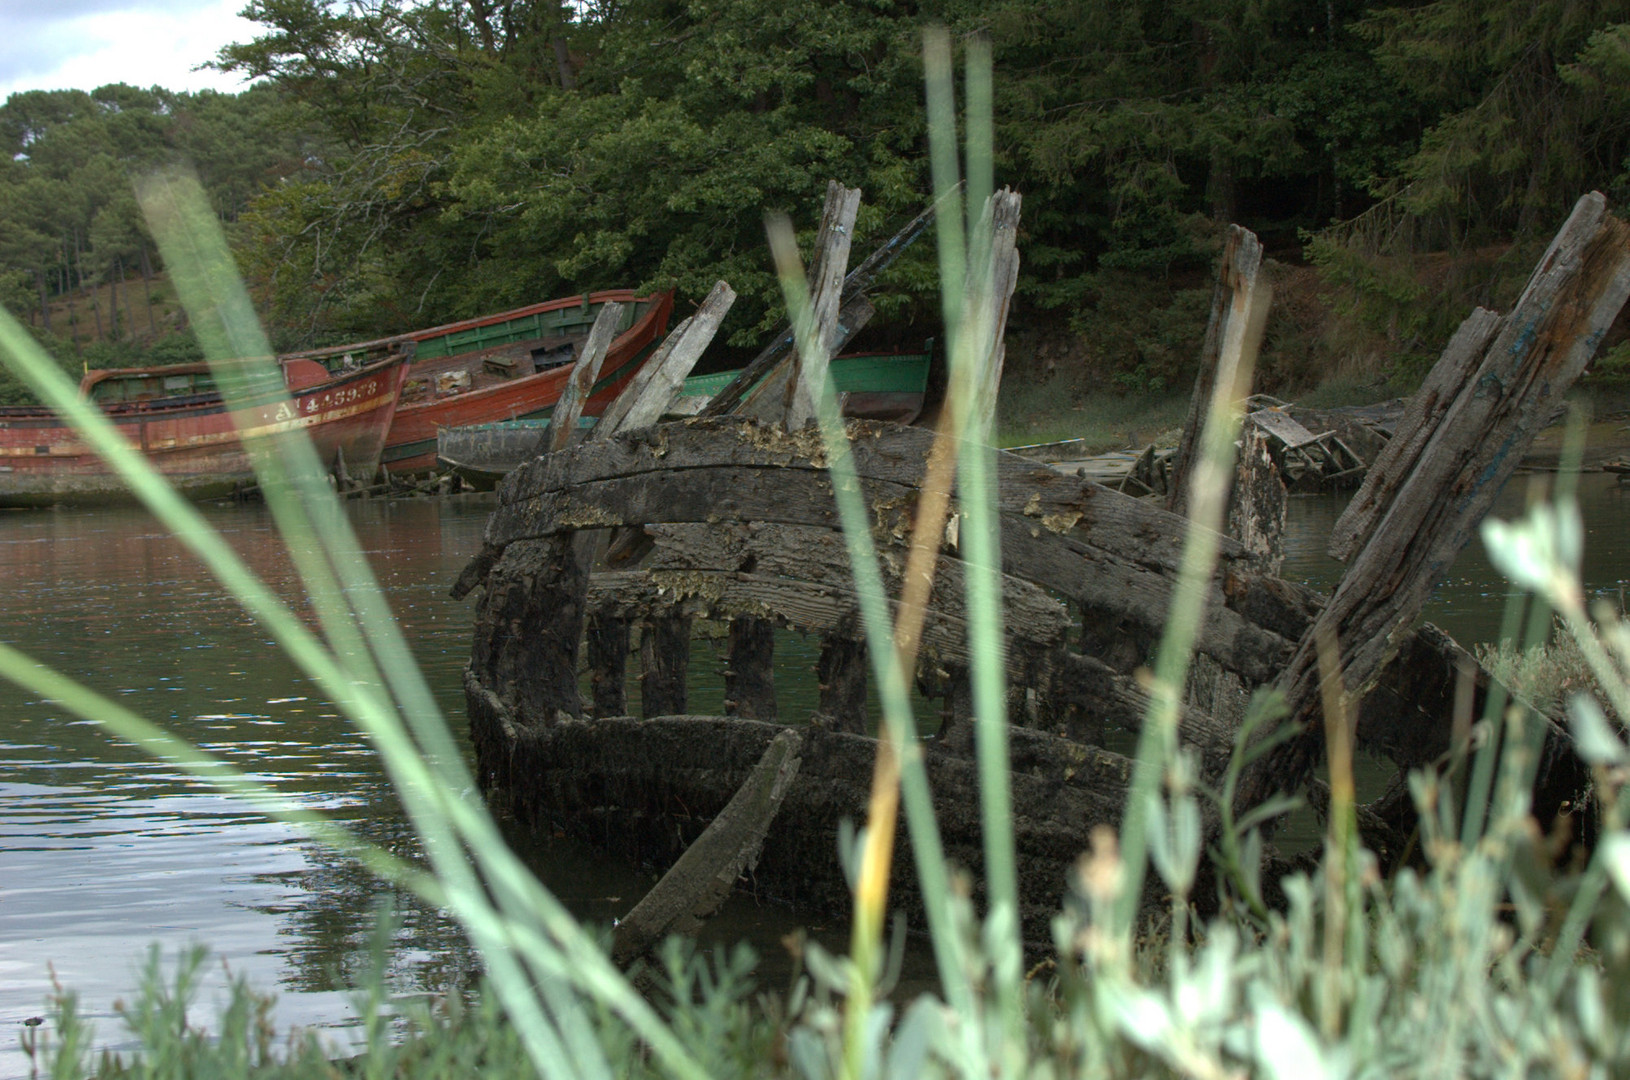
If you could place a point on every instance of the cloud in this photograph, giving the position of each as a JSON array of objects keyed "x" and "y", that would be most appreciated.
[{"x": 83, "y": 44}]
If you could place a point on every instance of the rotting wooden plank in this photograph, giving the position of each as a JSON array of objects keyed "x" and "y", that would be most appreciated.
[
  {"x": 563, "y": 421},
  {"x": 656, "y": 384},
  {"x": 1397, "y": 460},
  {"x": 696, "y": 884},
  {"x": 1283, "y": 427},
  {"x": 1097, "y": 515},
  {"x": 1576, "y": 291},
  {"x": 527, "y": 628},
  {"x": 1001, "y": 211},
  {"x": 1256, "y": 511},
  {"x": 646, "y": 788},
  {"x": 802, "y": 497},
  {"x": 827, "y": 610},
  {"x": 1240, "y": 263},
  {"x": 821, "y": 556},
  {"x": 852, "y": 318}
]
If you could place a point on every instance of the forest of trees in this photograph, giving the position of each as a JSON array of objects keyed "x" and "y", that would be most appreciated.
[{"x": 404, "y": 163}]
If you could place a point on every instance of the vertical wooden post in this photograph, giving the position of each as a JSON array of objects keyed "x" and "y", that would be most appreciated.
[
  {"x": 664, "y": 663},
  {"x": 608, "y": 662},
  {"x": 658, "y": 381},
  {"x": 1001, "y": 214},
  {"x": 841, "y": 672},
  {"x": 749, "y": 681},
  {"x": 563, "y": 421},
  {"x": 782, "y": 397},
  {"x": 1256, "y": 513},
  {"x": 528, "y": 628},
  {"x": 1241, "y": 261}
]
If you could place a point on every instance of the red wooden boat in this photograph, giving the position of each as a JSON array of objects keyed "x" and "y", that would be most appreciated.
[
  {"x": 508, "y": 366},
  {"x": 177, "y": 417}
]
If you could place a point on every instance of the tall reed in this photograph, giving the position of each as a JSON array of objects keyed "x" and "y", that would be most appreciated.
[{"x": 1469, "y": 965}]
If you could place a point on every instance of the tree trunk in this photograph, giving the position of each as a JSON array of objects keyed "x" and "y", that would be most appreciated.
[
  {"x": 45, "y": 306},
  {"x": 147, "y": 289}
]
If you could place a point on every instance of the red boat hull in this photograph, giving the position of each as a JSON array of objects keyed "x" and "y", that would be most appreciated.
[
  {"x": 411, "y": 444},
  {"x": 197, "y": 442}
]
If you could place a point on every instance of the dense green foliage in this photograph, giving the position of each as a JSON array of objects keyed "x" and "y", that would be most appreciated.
[{"x": 402, "y": 163}]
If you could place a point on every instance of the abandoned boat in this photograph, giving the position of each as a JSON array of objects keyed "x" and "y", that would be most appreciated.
[
  {"x": 872, "y": 386},
  {"x": 177, "y": 417},
  {"x": 507, "y": 366}
]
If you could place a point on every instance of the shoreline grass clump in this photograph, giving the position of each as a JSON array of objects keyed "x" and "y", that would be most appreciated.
[{"x": 1474, "y": 962}]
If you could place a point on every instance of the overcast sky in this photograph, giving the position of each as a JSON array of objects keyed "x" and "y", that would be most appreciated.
[{"x": 83, "y": 44}]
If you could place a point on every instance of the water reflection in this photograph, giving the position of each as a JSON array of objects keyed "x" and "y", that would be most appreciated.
[{"x": 1472, "y": 598}]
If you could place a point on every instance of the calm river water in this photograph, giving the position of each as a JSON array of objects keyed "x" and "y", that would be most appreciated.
[{"x": 104, "y": 852}]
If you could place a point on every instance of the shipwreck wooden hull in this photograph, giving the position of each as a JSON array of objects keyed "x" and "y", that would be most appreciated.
[
  {"x": 645, "y": 789},
  {"x": 194, "y": 439}
]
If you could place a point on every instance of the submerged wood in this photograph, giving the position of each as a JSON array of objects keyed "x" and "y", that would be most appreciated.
[{"x": 646, "y": 789}]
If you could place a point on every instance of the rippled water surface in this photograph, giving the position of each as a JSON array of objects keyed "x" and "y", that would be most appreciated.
[{"x": 103, "y": 851}]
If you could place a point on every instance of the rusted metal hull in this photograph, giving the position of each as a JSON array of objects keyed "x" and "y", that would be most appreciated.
[
  {"x": 197, "y": 441},
  {"x": 489, "y": 383}
]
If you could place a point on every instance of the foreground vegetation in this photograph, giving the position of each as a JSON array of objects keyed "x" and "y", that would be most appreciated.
[{"x": 1490, "y": 957}]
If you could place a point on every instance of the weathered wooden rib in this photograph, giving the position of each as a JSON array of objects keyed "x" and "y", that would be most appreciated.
[
  {"x": 1440, "y": 493},
  {"x": 1241, "y": 261},
  {"x": 854, "y": 312}
]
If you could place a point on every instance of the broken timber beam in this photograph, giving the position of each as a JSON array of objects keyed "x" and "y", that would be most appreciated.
[
  {"x": 1530, "y": 360},
  {"x": 854, "y": 311},
  {"x": 655, "y": 385},
  {"x": 784, "y": 396},
  {"x": 1239, "y": 266},
  {"x": 1001, "y": 217},
  {"x": 563, "y": 421},
  {"x": 696, "y": 884}
]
